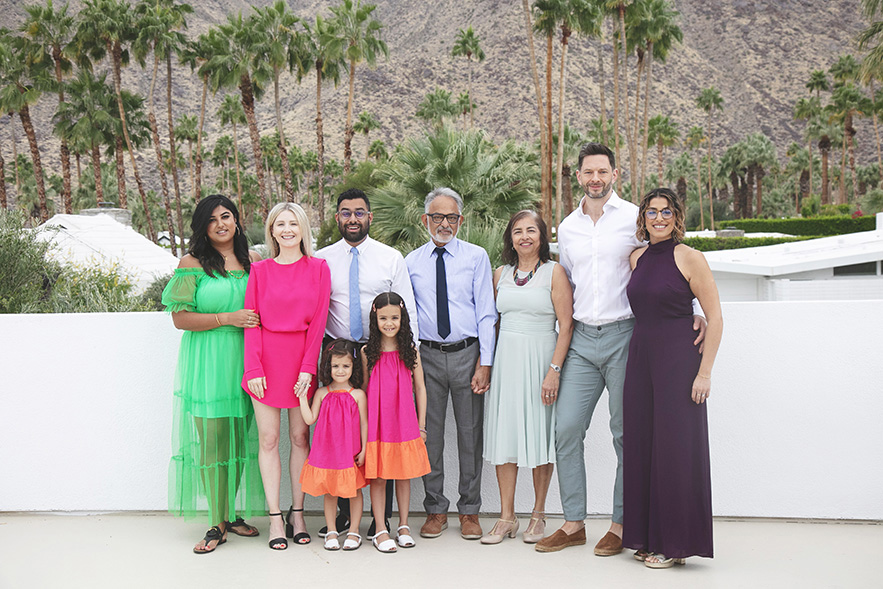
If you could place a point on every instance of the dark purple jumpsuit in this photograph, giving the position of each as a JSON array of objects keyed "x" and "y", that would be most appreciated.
[{"x": 666, "y": 466}]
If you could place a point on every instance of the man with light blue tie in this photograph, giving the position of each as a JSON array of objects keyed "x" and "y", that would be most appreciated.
[
  {"x": 453, "y": 289},
  {"x": 361, "y": 268}
]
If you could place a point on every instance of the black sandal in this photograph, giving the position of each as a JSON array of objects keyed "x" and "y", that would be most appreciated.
[
  {"x": 289, "y": 529},
  {"x": 240, "y": 523},
  {"x": 278, "y": 543},
  {"x": 214, "y": 534}
]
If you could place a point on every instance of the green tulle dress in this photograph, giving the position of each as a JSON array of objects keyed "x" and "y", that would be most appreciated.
[{"x": 214, "y": 467}]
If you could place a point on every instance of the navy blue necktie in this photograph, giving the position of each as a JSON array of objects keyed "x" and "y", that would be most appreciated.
[{"x": 441, "y": 294}]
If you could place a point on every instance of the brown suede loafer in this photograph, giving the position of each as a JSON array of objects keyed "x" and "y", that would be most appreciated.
[
  {"x": 561, "y": 540},
  {"x": 435, "y": 524},
  {"x": 470, "y": 529},
  {"x": 609, "y": 545}
]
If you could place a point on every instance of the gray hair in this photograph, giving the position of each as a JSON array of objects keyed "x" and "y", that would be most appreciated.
[{"x": 437, "y": 192}]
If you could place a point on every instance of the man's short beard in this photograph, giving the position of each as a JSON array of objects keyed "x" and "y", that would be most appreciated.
[
  {"x": 603, "y": 194},
  {"x": 363, "y": 233}
]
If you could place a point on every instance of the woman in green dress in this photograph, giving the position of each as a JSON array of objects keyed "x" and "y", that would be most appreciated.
[{"x": 214, "y": 465}]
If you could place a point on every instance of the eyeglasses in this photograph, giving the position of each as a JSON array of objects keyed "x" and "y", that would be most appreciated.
[
  {"x": 437, "y": 218},
  {"x": 651, "y": 213},
  {"x": 346, "y": 213}
]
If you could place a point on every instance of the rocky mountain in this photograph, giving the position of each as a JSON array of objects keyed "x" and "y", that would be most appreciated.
[{"x": 758, "y": 53}]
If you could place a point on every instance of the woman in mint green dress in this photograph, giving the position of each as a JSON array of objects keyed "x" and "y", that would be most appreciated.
[{"x": 214, "y": 440}]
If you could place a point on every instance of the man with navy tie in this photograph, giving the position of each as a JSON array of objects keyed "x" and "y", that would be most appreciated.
[{"x": 453, "y": 289}]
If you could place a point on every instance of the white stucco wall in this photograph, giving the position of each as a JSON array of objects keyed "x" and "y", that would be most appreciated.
[{"x": 795, "y": 415}]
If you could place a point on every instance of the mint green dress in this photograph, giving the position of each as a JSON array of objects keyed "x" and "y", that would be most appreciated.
[{"x": 214, "y": 466}]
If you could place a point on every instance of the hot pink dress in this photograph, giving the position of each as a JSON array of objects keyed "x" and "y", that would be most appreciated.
[
  {"x": 395, "y": 449},
  {"x": 292, "y": 301},
  {"x": 337, "y": 439}
]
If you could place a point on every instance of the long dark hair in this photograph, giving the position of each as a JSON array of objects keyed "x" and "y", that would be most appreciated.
[
  {"x": 201, "y": 247},
  {"x": 509, "y": 255},
  {"x": 340, "y": 348},
  {"x": 404, "y": 338}
]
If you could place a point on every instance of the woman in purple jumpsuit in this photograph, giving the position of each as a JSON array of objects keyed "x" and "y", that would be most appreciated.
[{"x": 667, "y": 473}]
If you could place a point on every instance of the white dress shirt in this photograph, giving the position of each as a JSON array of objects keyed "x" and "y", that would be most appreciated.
[
  {"x": 470, "y": 285},
  {"x": 381, "y": 269},
  {"x": 596, "y": 259}
]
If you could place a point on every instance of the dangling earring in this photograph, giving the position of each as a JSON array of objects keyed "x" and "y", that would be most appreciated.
[{"x": 238, "y": 232}]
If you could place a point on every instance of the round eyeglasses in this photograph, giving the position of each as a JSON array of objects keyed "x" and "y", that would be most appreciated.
[{"x": 665, "y": 213}]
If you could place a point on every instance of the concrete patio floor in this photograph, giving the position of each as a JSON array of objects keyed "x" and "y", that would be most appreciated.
[{"x": 137, "y": 550}]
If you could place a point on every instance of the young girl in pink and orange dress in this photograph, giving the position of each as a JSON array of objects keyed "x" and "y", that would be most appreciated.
[
  {"x": 335, "y": 465},
  {"x": 396, "y": 448}
]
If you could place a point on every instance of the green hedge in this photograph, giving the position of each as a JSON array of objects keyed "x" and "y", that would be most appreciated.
[
  {"x": 814, "y": 226},
  {"x": 710, "y": 244}
]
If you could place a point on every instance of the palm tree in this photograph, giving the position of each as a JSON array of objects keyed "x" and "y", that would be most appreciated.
[
  {"x": 196, "y": 55},
  {"x": 436, "y": 107},
  {"x": 695, "y": 138},
  {"x": 465, "y": 105},
  {"x": 105, "y": 28},
  {"x": 467, "y": 44},
  {"x": 231, "y": 113},
  {"x": 676, "y": 174},
  {"x": 546, "y": 25},
  {"x": 22, "y": 81},
  {"x": 573, "y": 141},
  {"x": 808, "y": 109},
  {"x": 818, "y": 81},
  {"x": 761, "y": 155},
  {"x": 357, "y": 38},
  {"x": 185, "y": 130},
  {"x": 377, "y": 150},
  {"x": 239, "y": 64},
  {"x": 276, "y": 26},
  {"x": 544, "y": 128},
  {"x": 829, "y": 134},
  {"x": 848, "y": 102},
  {"x": 366, "y": 123},
  {"x": 315, "y": 50},
  {"x": 663, "y": 132},
  {"x": 53, "y": 30},
  {"x": 710, "y": 100},
  {"x": 220, "y": 158},
  {"x": 619, "y": 7}
]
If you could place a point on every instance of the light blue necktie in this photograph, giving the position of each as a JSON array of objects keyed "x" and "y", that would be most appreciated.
[{"x": 355, "y": 303}]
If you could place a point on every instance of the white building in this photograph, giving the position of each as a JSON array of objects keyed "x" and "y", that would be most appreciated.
[
  {"x": 89, "y": 240},
  {"x": 841, "y": 267}
]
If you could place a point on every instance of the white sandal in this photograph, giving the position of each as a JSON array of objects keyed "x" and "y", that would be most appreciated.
[
  {"x": 661, "y": 561},
  {"x": 332, "y": 543},
  {"x": 352, "y": 544},
  {"x": 387, "y": 546},
  {"x": 405, "y": 540}
]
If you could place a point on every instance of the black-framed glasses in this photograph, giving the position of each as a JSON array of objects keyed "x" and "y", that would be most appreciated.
[
  {"x": 346, "y": 213},
  {"x": 651, "y": 213},
  {"x": 437, "y": 218}
]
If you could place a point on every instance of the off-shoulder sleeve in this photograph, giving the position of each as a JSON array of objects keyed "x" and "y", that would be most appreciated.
[
  {"x": 316, "y": 328},
  {"x": 180, "y": 293}
]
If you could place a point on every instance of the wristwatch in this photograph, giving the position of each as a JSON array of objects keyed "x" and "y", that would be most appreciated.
[{"x": 555, "y": 367}]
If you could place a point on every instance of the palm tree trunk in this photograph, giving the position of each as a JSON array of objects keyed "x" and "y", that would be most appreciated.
[
  {"x": 25, "y": 115},
  {"x": 809, "y": 150},
  {"x": 544, "y": 139},
  {"x": 247, "y": 93},
  {"x": 121, "y": 172},
  {"x": 96, "y": 172},
  {"x": 64, "y": 151},
  {"x": 236, "y": 161},
  {"x": 197, "y": 184},
  {"x": 758, "y": 182},
  {"x": 348, "y": 130},
  {"x": 647, "y": 88},
  {"x": 79, "y": 171},
  {"x": 850, "y": 143},
  {"x": 876, "y": 130},
  {"x": 616, "y": 112},
  {"x": 826, "y": 194},
  {"x": 710, "y": 193},
  {"x": 283, "y": 151},
  {"x": 638, "y": 175},
  {"x": 625, "y": 81},
  {"x": 658, "y": 163},
  {"x": 3, "y": 201},
  {"x": 14, "y": 154},
  {"x": 699, "y": 192},
  {"x": 562, "y": 80},
  {"x": 566, "y": 190},
  {"x": 602, "y": 81},
  {"x": 320, "y": 143},
  {"x": 550, "y": 174},
  {"x": 157, "y": 147},
  {"x": 841, "y": 198},
  {"x": 172, "y": 151},
  {"x": 471, "y": 114}
]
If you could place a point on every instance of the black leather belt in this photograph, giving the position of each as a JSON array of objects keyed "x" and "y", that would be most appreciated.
[{"x": 451, "y": 347}]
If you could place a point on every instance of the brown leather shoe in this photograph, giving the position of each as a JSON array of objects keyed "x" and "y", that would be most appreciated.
[
  {"x": 609, "y": 545},
  {"x": 470, "y": 529},
  {"x": 561, "y": 540},
  {"x": 435, "y": 524}
]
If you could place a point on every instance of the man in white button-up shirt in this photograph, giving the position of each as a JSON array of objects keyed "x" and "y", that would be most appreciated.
[{"x": 594, "y": 243}]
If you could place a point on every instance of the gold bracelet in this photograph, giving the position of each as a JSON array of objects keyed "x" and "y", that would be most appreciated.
[{"x": 218, "y": 320}]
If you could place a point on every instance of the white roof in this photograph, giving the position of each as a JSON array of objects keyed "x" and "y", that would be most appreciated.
[
  {"x": 800, "y": 256},
  {"x": 100, "y": 239}
]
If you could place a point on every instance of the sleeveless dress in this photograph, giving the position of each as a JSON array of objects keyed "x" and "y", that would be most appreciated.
[
  {"x": 666, "y": 465},
  {"x": 337, "y": 439},
  {"x": 214, "y": 441},
  {"x": 395, "y": 450},
  {"x": 518, "y": 428},
  {"x": 292, "y": 301}
]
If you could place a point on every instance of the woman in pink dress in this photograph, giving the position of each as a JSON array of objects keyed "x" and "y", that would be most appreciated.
[{"x": 290, "y": 292}]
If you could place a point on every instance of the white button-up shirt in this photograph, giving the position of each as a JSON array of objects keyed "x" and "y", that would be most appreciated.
[
  {"x": 381, "y": 269},
  {"x": 596, "y": 259}
]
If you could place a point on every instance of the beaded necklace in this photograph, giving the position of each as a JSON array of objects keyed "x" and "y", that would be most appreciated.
[{"x": 526, "y": 279}]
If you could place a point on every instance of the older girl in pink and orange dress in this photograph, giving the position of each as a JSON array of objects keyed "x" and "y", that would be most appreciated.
[{"x": 290, "y": 292}]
